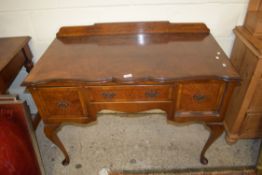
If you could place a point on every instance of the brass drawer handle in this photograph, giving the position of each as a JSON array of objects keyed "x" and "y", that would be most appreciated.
[
  {"x": 108, "y": 95},
  {"x": 63, "y": 104},
  {"x": 199, "y": 97},
  {"x": 151, "y": 94}
]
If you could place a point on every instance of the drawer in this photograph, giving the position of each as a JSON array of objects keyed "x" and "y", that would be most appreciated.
[
  {"x": 200, "y": 96},
  {"x": 64, "y": 102},
  {"x": 130, "y": 93},
  {"x": 252, "y": 126}
]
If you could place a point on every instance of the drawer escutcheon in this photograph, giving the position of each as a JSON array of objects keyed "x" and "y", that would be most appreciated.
[
  {"x": 63, "y": 104},
  {"x": 108, "y": 95},
  {"x": 151, "y": 94},
  {"x": 199, "y": 97}
]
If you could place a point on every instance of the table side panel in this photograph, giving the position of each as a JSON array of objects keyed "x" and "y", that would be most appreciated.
[{"x": 9, "y": 72}]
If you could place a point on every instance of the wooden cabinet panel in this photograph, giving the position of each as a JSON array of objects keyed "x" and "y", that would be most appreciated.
[
  {"x": 238, "y": 57},
  {"x": 248, "y": 65},
  {"x": 200, "y": 96},
  {"x": 243, "y": 116},
  {"x": 252, "y": 126},
  {"x": 253, "y": 18},
  {"x": 246, "y": 70},
  {"x": 256, "y": 103},
  {"x": 130, "y": 93},
  {"x": 61, "y": 101}
]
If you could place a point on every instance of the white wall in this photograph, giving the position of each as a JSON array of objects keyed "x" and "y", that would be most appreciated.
[{"x": 41, "y": 19}]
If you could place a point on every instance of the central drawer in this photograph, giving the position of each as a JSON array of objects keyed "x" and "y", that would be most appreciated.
[{"x": 130, "y": 93}]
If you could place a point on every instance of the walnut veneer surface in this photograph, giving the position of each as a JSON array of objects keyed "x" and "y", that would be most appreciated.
[{"x": 132, "y": 67}]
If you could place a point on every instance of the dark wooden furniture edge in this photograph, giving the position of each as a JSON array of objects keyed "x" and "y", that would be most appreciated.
[
  {"x": 132, "y": 28},
  {"x": 18, "y": 55},
  {"x": 28, "y": 38},
  {"x": 112, "y": 81}
]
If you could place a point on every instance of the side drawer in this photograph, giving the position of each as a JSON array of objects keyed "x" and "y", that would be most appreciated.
[
  {"x": 130, "y": 93},
  {"x": 202, "y": 96},
  {"x": 59, "y": 102},
  {"x": 252, "y": 126}
]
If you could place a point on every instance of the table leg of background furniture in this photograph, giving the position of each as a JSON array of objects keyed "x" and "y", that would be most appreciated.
[
  {"x": 215, "y": 132},
  {"x": 50, "y": 131},
  {"x": 28, "y": 63}
]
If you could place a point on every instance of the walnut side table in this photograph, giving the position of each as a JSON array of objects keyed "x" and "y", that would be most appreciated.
[{"x": 132, "y": 67}]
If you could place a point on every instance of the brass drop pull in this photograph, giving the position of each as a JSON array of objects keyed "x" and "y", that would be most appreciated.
[
  {"x": 151, "y": 94},
  {"x": 199, "y": 97},
  {"x": 63, "y": 104},
  {"x": 108, "y": 95}
]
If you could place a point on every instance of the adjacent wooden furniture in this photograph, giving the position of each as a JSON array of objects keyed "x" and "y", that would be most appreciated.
[
  {"x": 244, "y": 117},
  {"x": 133, "y": 67},
  {"x": 14, "y": 53},
  {"x": 253, "y": 21}
]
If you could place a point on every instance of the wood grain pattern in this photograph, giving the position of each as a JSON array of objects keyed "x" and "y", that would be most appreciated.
[
  {"x": 61, "y": 101},
  {"x": 104, "y": 63},
  {"x": 131, "y": 28}
]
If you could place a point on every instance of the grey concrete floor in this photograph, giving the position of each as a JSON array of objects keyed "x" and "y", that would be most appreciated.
[{"x": 139, "y": 142}]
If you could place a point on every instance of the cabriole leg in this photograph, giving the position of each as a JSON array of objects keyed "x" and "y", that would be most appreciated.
[
  {"x": 50, "y": 131},
  {"x": 215, "y": 131}
]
